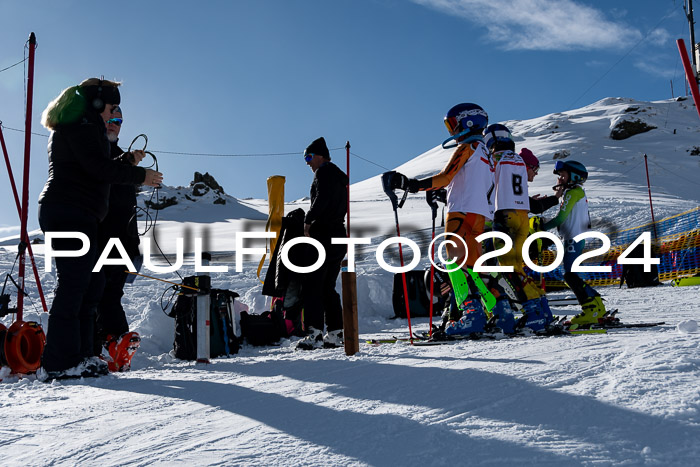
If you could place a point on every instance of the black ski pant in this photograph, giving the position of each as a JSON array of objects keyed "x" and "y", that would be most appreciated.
[
  {"x": 111, "y": 318},
  {"x": 71, "y": 317},
  {"x": 321, "y": 301}
]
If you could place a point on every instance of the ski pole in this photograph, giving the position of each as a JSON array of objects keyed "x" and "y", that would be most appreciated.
[
  {"x": 386, "y": 183},
  {"x": 430, "y": 198}
]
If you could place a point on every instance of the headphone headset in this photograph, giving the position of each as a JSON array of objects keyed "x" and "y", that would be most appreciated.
[{"x": 97, "y": 102}]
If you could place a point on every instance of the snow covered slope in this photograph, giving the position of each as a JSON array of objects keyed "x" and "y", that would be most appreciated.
[{"x": 628, "y": 397}]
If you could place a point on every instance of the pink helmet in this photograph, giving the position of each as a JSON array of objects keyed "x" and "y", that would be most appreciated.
[{"x": 529, "y": 158}]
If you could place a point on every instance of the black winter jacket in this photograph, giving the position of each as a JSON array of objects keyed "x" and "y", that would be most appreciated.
[
  {"x": 80, "y": 167},
  {"x": 329, "y": 200},
  {"x": 120, "y": 220}
]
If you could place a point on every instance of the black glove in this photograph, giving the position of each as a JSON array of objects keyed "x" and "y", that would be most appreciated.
[
  {"x": 433, "y": 196},
  {"x": 399, "y": 181}
]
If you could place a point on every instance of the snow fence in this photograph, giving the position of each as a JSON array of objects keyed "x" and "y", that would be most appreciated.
[{"x": 676, "y": 242}]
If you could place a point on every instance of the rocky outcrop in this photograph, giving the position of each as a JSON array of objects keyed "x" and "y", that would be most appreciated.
[
  {"x": 627, "y": 128},
  {"x": 161, "y": 203},
  {"x": 202, "y": 184}
]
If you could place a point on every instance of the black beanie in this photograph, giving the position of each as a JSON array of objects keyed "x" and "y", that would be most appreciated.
[{"x": 318, "y": 147}]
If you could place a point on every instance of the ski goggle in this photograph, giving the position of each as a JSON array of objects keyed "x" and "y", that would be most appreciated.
[
  {"x": 308, "y": 157},
  {"x": 452, "y": 125},
  {"x": 116, "y": 121},
  {"x": 559, "y": 166}
]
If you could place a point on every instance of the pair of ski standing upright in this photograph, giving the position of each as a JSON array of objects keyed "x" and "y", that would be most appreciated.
[{"x": 486, "y": 185}]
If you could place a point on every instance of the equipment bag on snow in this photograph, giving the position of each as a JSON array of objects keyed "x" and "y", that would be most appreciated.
[
  {"x": 418, "y": 301},
  {"x": 223, "y": 332},
  {"x": 264, "y": 329},
  {"x": 634, "y": 274}
]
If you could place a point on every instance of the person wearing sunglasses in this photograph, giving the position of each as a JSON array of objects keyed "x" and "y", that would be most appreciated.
[
  {"x": 468, "y": 178},
  {"x": 111, "y": 326},
  {"x": 75, "y": 198},
  {"x": 324, "y": 221}
]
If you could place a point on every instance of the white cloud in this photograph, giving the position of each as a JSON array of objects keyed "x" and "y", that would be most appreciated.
[
  {"x": 659, "y": 36},
  {"x": 655, "y": 69},
  {"x": 540, "y": 24}
]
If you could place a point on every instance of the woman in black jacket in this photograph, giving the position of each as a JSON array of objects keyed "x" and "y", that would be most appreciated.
[{"x": 75, "y": 199}]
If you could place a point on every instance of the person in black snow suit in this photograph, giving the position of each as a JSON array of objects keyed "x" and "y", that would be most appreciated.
[
  {"x": 75, "y": 199},
  {"x": 111, "y": 327},
  {"x": 325, "y": 220}
]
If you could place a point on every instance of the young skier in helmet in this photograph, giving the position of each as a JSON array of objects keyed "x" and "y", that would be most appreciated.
[
  {"x": 511, "y": 217},
  {"x": 468, "y": 177},
  {"x": 573, "y": 218}
]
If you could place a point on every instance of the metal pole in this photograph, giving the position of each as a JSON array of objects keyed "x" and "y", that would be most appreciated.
[
  {"x": 650, "y": 205},
  {"x": 691, "y": 23},
  {"x": 351, "y": 337},
  {"x": 19, "y": 213},
  {"x": 347, "y": 165},
  {"x": 24, "y": 238}
]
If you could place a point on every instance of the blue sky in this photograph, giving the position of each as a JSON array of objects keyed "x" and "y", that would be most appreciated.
[{"x": 264, "y": 76}]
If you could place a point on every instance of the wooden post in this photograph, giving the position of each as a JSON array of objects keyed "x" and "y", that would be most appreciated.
[{"x": 350, "y": 332}]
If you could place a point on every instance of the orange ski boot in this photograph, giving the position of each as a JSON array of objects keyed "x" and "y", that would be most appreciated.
[{"x": 121, "y": 350}]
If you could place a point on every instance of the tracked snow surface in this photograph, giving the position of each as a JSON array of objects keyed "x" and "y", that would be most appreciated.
[{"x": 630, "y": 397}]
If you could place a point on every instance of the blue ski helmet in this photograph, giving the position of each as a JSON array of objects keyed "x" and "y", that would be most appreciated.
[
  {"x": 468, "y": 118},
  {"x": 577, "y": 171},
  {"x": 497, "y": 137}
]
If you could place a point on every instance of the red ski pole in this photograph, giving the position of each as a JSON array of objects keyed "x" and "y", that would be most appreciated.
[
  {"x": 651, "y": 206},
  {"x": 386, "y": 183},
  {"x": 430, "y": 198}
]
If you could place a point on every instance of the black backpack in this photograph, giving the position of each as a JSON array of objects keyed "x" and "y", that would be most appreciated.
[
  {"x": 634, "y": 274},
  {"x": 264, "y": 329},
  {"x": 223, "y": 340},
  {"x": 418, "y": 301}
]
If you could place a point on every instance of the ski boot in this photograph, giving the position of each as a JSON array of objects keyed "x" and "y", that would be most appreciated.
[
  {"x": 121, "y": 350},
  {"x": 312, "y": 341},
  {"x": 533, "y": 316},
  {"x": 333, "y": 339},
  {"x": 505, "y": 315},
  {"x": 593, "y": 310},
  {"x": 473, "y": 319},
  {"x": 91, "y": 367},
  {"x": 552, "y": 325}
]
